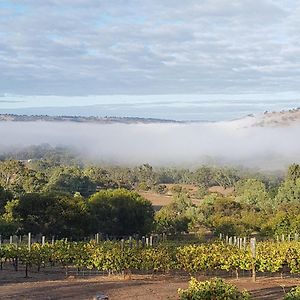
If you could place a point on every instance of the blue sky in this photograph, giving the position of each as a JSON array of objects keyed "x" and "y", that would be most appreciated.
[{"x": 73, "y": 48}]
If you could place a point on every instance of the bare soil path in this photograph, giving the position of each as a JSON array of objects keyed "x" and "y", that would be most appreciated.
[{"x": 44, "y": 286}]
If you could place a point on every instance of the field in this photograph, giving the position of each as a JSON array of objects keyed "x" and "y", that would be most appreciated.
[
  {"x": 55, "y": 286},
  {"x": 68, "y": 270},
  {"x": 158, "y": 200}
]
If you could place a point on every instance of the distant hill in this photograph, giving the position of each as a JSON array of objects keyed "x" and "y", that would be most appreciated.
[
  {"x": 267, "y": 119},
  {"x": 279, "y": 119},
  {"x": 80, "y": 119}
]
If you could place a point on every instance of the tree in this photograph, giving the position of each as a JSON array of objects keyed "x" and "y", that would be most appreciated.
[
  {"x": 8, "y": 224},
  {"x": 120, "y": 212},
  {"x": 146, "y": 174},
  {"x": 16, "y": 177},
  {"x": 293, "y": 172},
  {"x": 289, "y": 192},
  {"x": 225, "y": 177},
  {"x": 70, "y": 180},
  {"x": 5, "y": 196},
  {"x": 203, "y": 176},
  {"x": 252, "y": 192},
  {"x": 52, "y": 214},
  {"x": 177, "y": 216},
  {"x": 170, "y": 222}
]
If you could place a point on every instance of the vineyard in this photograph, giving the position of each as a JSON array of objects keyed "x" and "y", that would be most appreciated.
[{"x": 130, "y": 257}]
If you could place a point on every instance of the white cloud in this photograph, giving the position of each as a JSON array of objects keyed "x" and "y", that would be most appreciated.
[{"x": 79, "y": 47}]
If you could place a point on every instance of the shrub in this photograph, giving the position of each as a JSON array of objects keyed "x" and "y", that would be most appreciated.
[
  {"x": 215, "y": 289},
  {"x": 293, "y": 294}
]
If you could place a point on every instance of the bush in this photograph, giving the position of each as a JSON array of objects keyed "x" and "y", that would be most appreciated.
[
  {"x": 293, "y": 294},
  {"x": 215, "y": 289},
  {"x": 120, "y": 213}
]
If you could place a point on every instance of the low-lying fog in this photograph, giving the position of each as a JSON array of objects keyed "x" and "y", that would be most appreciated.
[{"x": 164, "y": 144}]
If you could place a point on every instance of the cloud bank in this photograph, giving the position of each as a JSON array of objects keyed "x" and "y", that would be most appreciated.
[
  {"x": 165, "y": 144},
  {"x": 79, "y": 47}
]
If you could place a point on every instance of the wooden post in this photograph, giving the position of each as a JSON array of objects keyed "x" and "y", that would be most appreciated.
[
  {"x": 130, "y": 242},
  {"x": 97, "y": 238},
  {"x": 53, "y": 240},
  {"x": 151, "y": 241},
  {"x": 29, "y": 241},
  {"x": 226, "y": 239},
  {"x": 230, "y": 240},
  {"x": 11, "y": 239},
  {"x": 220, "y": 236},
  {"x": 253, "y": 252},
  {"x": 245, "y": 242},
  {"x": 122, "y": 245},
  {"x": 282, "y": 237},
  {"x": 143, "y": 241},
  {"x": 289, "y": 238},
  {"x": 147, "y": 241},
  {"x": 43, "y": 240}
]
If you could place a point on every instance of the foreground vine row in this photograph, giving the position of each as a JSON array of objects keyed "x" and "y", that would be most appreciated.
[{"x": 114, "y": 257}]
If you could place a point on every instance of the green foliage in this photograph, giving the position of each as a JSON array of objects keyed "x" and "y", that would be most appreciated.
[
  {"x": 121, "y": 212},
  {"x": 5, "y": 196},
  {"x": 160, "y": 188},
  {"x": 262, "y": 203},
  {"x": 142, "y": 186},
  {"x": 252, "y": 192},
  {"x": 196, "y": 258},
  {"x": 289, "y": 192},
  {"x": 112, "y": 256},
  {"x": 286, "y": 220},
  {"x": 168, "y": 221},
  {"x": 51, "y": 214},
  {"x": 293, "y": 294},
  {"x": 215, "y": 289},
  {"x": 224, "y": 215},
  {"x": 293, "y": 172},
  {"x": 70, "y": 180},
  {"x": 176, "y": 217}
]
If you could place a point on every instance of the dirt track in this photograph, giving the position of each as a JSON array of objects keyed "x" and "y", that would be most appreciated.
[{"x": 14, "y": 286}]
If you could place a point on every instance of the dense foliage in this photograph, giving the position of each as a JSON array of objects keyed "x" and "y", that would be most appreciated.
[
  {"x": 212, "y": 289},
  {"x": 115, "y": 213},
  {"x": 132, "y": 255},
  {"x": 293, "y": 294},
  {"x": 120, "y": 213},
  {"x": 53, "y": 192}
]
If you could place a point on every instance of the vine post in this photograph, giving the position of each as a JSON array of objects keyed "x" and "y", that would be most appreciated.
[
  {"x": 29, "y": 241},
  {"x": 253, "y": 252}
]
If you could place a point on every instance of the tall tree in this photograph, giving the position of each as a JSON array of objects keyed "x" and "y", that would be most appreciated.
[{"x": 120, "y": 212}]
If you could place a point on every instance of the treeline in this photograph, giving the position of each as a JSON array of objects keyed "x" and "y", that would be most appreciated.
[
  {"x": 44, "y": 168},
  {"x": 113, "y": 213},
  {"x": 252, "y": 208},
  {"x": 50, "y": 190}
]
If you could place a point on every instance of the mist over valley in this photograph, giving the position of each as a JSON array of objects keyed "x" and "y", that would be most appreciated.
[{"x": 265, "y": 142}]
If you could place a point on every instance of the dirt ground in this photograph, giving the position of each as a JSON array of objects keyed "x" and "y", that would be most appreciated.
[{"x": 13, "y": 285}]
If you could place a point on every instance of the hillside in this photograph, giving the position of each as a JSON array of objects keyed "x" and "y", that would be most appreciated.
[
  {"x": 81, "y": 119},
  {"x": 279, "y": 119}
]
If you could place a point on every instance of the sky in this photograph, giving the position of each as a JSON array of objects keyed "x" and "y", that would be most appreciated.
[{"x": 91, "y": 49}]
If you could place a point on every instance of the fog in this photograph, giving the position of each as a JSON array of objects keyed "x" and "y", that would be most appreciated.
[{"x": 190, "y": 144}]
